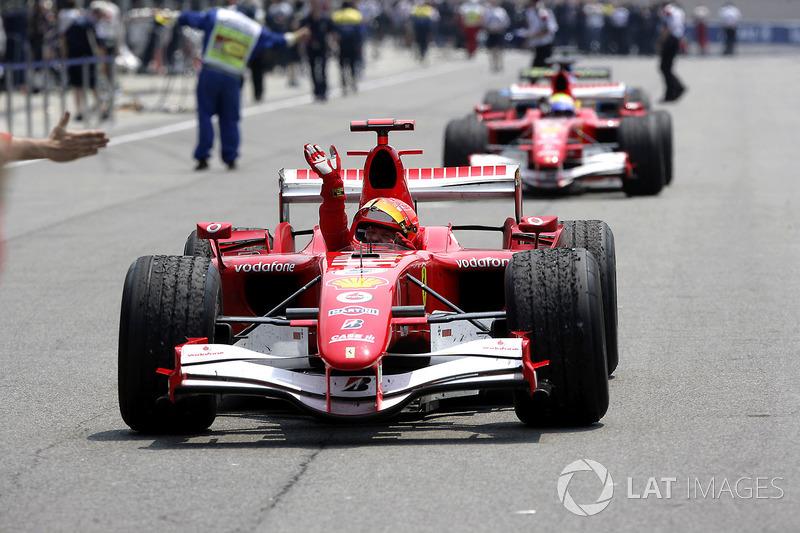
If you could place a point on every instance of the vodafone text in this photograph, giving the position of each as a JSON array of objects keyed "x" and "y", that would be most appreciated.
[{"x": 264, "y": 267}]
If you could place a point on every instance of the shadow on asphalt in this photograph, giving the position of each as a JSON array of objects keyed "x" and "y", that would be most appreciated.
[{"x": 255, "y": 423}]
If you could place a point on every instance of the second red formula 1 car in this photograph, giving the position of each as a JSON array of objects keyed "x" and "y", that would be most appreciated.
[
  {"x": 373, "y": 329},
  {"x": 565, "y": 133}
]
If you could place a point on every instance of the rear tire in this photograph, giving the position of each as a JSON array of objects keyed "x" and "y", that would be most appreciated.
[
  {"x": 638, "y": 137},
  {"x": 555, "y": 294},
  {"x": 597, "y": 237},
  {"x": 462, "y": 138},
  {"x": 165, "y": 300},
  {"x": 498, "y": 100},
  {"x": 664, "y": 127}
]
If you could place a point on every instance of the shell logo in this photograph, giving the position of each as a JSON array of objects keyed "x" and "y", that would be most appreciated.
[{"x": 357, "y": 283}]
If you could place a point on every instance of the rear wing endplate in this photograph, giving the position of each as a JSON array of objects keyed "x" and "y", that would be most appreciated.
[{"x": 424, "y": 184}]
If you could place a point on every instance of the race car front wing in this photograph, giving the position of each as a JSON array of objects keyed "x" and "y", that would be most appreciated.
[{"x": 202, "y": 368}]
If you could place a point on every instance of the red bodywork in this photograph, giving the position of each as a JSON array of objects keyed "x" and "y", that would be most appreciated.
[
  {"x": 555, "y": 151},
  {"x": 350, "y": 309}
]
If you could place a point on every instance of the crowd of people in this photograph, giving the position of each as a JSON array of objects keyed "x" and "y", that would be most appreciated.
[
  {"x": 98, "y": 27},
  {"x": 303, "y": 36}
]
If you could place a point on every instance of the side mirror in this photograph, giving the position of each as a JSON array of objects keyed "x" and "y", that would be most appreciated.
[
  {"x": 538, "y": 224},
  {"x": 213, "y": 230}
]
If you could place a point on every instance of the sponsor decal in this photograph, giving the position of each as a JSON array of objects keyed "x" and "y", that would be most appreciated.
[
  {"x": 357, "y": 271},
  {"x": 354, "y": 297},
  {"x": 424, "y": 282},
  {"x": 213, "y": 227},
  {"x": 352, "y": 337},
  {"x": 353, "y": 310},
  {"x": 353, "y": 323},
  {"x": 357, "y": 384},
  {"x": 265, "y": 267},
  {"x": 482, "y": 262},
  {"x": 357, "y": 283}
]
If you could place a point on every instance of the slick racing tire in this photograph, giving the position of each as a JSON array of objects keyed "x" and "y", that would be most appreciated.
[
  {"x": 462, "y": 138},
  {"x": 165, "y": 300},
  {"x": 195, "y": 247},
  {"x": 498, "y": 100},
  {"x": 556, "y": 295},
  {"x": 597, "y": 237},
  {"x": 664, "y": 127},
  {"x": 639, "y": 138},
  {"x": 637, "y": 94}
]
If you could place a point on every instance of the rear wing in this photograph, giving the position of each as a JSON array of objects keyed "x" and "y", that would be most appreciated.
[
  {"x": 534, "y": 74},
  {"x": 424, "y": 184},
  {"x": 588, "y": 91}
]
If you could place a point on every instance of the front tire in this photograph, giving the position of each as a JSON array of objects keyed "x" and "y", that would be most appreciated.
[
  {"x": 638, "y": 137},
  {"x": 165, "y": 300},
  {"x": 597, "y": 237},
  {"x": 555, "y": 294},
  {"x": 664, "y": 127},
  {"x": 499, "y": 100},
  {"x": 462, "y": 138}
]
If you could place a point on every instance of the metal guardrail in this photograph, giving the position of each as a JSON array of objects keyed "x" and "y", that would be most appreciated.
[{"x": 42, "y": 95}]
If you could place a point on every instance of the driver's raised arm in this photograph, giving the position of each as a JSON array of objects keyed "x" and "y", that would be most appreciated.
[{"x": 332, "y": 215}]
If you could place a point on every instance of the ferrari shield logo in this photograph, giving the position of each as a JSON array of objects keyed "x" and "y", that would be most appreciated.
[{"x": 350, "y": 352}]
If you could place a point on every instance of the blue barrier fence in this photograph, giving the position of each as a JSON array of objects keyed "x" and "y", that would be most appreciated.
[{"x": 757, "y": 33}]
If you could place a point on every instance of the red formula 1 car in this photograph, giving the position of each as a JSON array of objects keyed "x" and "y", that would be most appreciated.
[
  {"x": 374, "y": 329},
  {"x": 608, "y": 138}
]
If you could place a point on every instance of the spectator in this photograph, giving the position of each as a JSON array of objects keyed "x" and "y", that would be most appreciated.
[
  {"x": 541, "y": 32},
  {"x": 424, "y": 17},
  {"x": 619, "y": 30},
  {"x": 259, "y": 61},
  {"x": 701, "y": 14},
  {"x": 235, "y": 38},
  {"x": 281, "y": 18},
  {"x": 729, "y": 17},
  {"x": 318, "y": 48},
  {"x": 350, "y": 35},
  {"x": 470, "y": 17},
  {"x": 2, "y": 40},
  {"x": 595, "y": 21},
  {"x": 496, "y": 23},
  {"x": 79, "y": 45},
  {"x": 668, "y": 47},
  {"x": 40, "y": 19}
]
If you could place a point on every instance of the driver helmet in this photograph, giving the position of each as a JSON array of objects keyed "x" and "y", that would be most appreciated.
[
  {"x": 562, "y": 104},
  {"x": 380, "y": 219}
]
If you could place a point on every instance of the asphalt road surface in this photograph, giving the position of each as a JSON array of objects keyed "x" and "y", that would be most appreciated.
[{"x": 703, "y": 428}]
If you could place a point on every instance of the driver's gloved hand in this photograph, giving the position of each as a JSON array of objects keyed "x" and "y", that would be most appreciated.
[{"x": 327, "y": 169}]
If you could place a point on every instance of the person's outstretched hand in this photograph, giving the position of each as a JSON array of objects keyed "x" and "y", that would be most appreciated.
[{"x": 63, "y": 145}]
